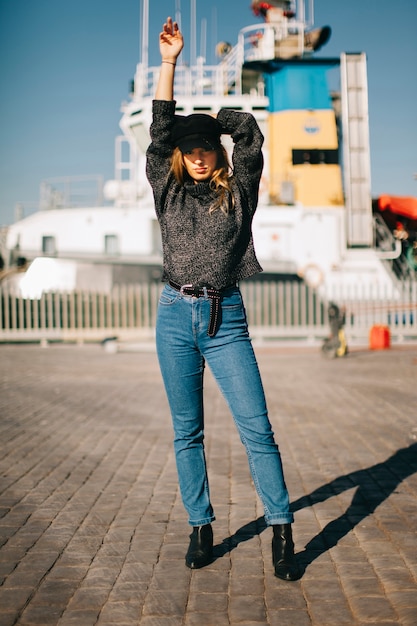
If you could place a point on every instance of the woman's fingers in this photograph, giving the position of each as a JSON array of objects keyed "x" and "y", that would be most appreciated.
[{"x": 170, "y": 27}]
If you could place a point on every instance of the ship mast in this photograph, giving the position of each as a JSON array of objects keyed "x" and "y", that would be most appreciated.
[
  {"x": 193, "y": 40},
  {"x": 145, "y": 33},
  {"x": 307, "y": 17}
]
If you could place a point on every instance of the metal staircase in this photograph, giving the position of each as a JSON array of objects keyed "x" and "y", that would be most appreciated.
[
  {"x": 356, "y": 153},
  {"x": 392, "y": 252}
]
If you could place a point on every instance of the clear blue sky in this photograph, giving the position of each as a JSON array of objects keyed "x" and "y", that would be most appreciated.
[{"x": 65, "y": 69}]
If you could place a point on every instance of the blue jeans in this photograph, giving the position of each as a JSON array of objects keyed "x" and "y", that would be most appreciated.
[{"x": 183, "y": 348}]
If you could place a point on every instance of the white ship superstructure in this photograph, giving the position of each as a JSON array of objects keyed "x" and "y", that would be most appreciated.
[{"x": 314, "y": 221}]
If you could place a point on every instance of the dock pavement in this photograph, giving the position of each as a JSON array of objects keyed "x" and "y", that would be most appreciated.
[{"x": 93, "y": 531}]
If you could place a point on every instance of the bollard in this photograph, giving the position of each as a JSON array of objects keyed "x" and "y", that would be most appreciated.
[
  {"x": 110, "y": 345},
  {"x": 379, "y": 337}
]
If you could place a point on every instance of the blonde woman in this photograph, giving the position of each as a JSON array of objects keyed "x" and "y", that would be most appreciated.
[{"x": 205, "y": 211}]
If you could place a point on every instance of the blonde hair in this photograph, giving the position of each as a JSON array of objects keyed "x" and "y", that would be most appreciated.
[{"x": 220, "y": 181}]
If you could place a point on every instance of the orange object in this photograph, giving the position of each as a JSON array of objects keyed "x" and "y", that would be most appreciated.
[
  {"x": 379, "y": 337},
  {"x": 399, "y": 205}
]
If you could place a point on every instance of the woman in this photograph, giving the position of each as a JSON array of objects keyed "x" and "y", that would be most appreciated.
[{"x": 205, "y": 216}]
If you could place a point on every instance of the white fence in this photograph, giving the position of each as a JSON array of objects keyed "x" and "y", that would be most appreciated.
[{"x": 275, "y": 310}]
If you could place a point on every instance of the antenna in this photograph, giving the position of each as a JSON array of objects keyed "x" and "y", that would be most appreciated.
[
  {"x": 193, "y": 42},
  {"x": 301, "y": 11},
  {"x": 213, "y": 43},
  {"x": 178, "y": 20},
  {"x": 145, "y": 32},
  {"x": 203, "y": 40},
  {"x": 305, "y": 12},
  {"x": 311, "y": 13},
  {"x": 178, "y": 13}
]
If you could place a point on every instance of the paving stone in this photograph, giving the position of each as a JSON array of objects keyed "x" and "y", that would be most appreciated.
[
  {"x": 407, "y": 615},
  {"x": 372, "y": 608},
  {"x": 55, "y": 593},
  {"x": 289, "y": 617},
  {"x": 88, "y": 597},
  {"x": 205, "y": 619},
  {"x": 331, "y": 613},
  {"x": 395, "y": 579},
  {"x": 120, "y": 612},
  {"x": 323, "y": 591},
  {"x": 7, "y": 618},
  {"x": 40, "y": 615},
  {"x": 165, "y": 603},
  {"x": 404, "y": 598},
  {"x": 361, "y": 586},
  {"x": 92, "y": 528},
  {"x": 359, "y": 569},
  {"x": 160, "y": 620},
  {"x": 86, "y": 617},
  {"x": 202, "y": 602},
  {"x": 14, "y": 597},
  {"x": 211, "y": 581},
  {"x": 246, "y": 585},
  {"x": 247, "y": 608}
]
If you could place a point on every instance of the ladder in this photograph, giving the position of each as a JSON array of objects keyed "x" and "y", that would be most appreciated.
[{"x": 356, "y": 153}]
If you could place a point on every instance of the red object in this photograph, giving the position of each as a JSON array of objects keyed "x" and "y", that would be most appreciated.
[
  {"x": 261, "y": 8},
  {"x": 399, "y": 205},
  {"x": 379, "y": 337}
]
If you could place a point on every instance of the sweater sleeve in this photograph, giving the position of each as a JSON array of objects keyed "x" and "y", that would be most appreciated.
[
  {"x": 247, "y": 151},
  {"x": 159, "y": 152}
]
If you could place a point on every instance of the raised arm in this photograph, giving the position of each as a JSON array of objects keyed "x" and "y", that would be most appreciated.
[
  {"x": 170, "y": 45},
  {"x": 247, "y": 155}
]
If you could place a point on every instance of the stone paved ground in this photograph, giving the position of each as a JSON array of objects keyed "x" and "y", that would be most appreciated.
[{"x": 93, "y": 530}]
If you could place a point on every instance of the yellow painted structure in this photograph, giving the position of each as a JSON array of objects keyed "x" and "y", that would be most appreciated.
[{"x": 304, "y": 155}]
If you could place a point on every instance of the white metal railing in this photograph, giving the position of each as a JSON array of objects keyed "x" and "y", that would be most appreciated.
[
  {"x": 197, "y": 80},
  {"x": 285, "y": 310},
  {"x": 264, "y": 42},
  {"x": 256, "y": 43}
]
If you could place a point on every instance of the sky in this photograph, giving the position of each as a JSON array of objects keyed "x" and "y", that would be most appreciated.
[{"x": 65, "y": 69}]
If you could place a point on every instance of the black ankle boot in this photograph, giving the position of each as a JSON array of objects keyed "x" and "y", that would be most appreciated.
[
  {"x": 200, "y": 550},
  {"x": 283, "y": 558}
]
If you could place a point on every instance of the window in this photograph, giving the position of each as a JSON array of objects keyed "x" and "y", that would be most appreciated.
[
  {"x": 111, "y": 245},
  {"x": 315, "y": 157},
  {"x": 48, "y": 245}
]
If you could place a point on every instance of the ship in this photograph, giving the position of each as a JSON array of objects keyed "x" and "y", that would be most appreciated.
[{"x": 316, "y": 220}]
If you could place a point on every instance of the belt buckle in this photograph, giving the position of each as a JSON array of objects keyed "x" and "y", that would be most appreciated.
[{"x": 188, "y": 286}]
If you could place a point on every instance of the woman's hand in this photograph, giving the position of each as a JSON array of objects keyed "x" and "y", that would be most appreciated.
[{"x": 171, "y": 41}]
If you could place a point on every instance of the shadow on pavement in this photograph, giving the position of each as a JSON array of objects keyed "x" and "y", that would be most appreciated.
[
  {"x": 374, "y": 485},
  {"x": 244, "y": 533}
]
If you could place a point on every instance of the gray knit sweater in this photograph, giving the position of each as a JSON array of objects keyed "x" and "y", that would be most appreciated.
[{"x": 198, "y": 247}]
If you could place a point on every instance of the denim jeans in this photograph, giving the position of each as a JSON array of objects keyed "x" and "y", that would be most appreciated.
[{"x": 183, "y": 348}]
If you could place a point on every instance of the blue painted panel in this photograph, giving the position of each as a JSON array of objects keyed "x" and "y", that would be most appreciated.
[{"x": 294, "y": 87}]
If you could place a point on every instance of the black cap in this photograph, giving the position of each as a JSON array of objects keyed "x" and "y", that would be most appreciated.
[{"x": 196, "y": 131}]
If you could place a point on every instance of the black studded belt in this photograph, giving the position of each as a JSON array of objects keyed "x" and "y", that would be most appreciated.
[{"x": 214, "y": 296}]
